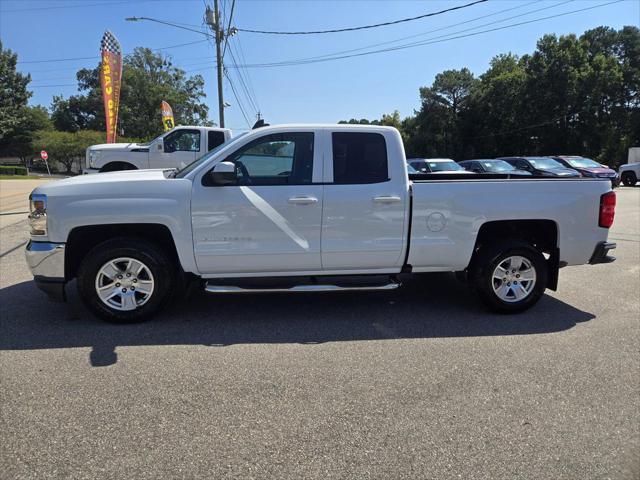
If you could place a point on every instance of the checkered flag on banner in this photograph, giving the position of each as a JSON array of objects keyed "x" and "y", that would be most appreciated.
[{"x": 110, "y": 43}]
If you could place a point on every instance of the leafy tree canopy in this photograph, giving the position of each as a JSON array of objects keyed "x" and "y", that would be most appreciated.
[
  {"x": 147, "y": 79},
  {"x": 572, "y": 95}
]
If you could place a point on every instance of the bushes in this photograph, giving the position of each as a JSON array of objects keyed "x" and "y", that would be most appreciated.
[{"x": 11, "y": 170}]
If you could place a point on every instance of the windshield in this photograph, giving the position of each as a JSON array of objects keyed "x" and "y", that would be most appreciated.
[
  {"x": 497, "y": 166},
  {"x": 146, "y": 144},
  {"x": 444, "y": 166},
  {"x": 544, "y": 163},
  {"x": 185, "y": 169},
  {"x": 582, "y": 162}
]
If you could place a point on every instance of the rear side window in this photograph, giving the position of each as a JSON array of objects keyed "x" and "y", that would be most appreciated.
[
  {"x": 215, "y": 138},
  {"x": 359, "y": 158}
]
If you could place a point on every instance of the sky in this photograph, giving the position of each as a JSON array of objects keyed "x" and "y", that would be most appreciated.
[{"x": 364, "y": 86}]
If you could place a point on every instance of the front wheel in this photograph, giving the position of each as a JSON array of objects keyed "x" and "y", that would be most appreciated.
[
  {"x": 125, "y": 280},
  {"x": 629, "y": 179},
  {"x": 510, "y": 277}
]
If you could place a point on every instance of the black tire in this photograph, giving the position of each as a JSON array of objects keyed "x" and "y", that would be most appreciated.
[
  {"x": 488, "y": 258},
  {"x": 163, "y": 271},
  {"x": 629, "y": 179}
]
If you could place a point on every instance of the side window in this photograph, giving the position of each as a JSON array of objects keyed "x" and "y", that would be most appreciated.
[
  {"x": 359, "y": 158},
  {"x": 214, "y": 138},
  {"x": 182, "y": 141},
  {"x": 278, "y": 159}
]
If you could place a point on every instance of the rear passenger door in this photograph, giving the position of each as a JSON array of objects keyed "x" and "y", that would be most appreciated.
[{"x": 365, "y": 200}]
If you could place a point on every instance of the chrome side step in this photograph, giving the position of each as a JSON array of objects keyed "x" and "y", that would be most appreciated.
[{"x": 299, "y": 288}]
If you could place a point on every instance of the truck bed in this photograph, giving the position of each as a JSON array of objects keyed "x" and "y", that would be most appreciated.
[{"x": 448, "y": 211}]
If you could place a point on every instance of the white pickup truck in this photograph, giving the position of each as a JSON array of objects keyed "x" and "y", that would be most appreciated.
[
  {"x": 173, "y": 149},
  {"x": 300, "y": 208}
]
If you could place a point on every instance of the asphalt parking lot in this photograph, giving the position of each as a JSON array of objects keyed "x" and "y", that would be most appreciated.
[{"x": 421, "y": 382}]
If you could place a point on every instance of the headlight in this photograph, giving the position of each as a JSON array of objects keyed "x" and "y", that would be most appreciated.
[
  {"x": 38, "y": 214},
  {"x": 94, "y": 155},
  {"x": 589, "y": 174}
]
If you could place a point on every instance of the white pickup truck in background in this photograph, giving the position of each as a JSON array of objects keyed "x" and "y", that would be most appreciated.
[
  {"x": 173, "y": 149},
  {"x": 630, "y": 173},
  {"x": 306, "y": 208}
]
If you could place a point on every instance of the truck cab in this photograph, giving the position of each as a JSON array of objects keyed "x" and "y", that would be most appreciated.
[{"x": 173, "y": 149}]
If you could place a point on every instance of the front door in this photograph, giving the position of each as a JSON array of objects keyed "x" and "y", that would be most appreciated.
[{"x": 269, "y": 221}]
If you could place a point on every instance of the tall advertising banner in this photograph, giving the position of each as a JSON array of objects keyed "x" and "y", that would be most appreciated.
[
  {"x": 167, "y": 116},
  {"x": 110, "y": 81}
]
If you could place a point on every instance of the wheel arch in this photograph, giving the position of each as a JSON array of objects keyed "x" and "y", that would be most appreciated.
[
  {"x": 82, "y": 239},
  {"x": 541, "y": 234}
]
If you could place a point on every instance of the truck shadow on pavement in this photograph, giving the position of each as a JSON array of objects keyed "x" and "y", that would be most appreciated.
[{"x": 430, "y": 306}]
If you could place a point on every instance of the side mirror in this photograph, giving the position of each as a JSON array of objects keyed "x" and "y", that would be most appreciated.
[
  {"x": 160, "y": 147},
  {"x": 423, "y": 170},
  {"x": 224, "y": 173}
]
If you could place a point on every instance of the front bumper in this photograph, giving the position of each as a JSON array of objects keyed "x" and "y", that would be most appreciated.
[
  {"x": 600, "y": 253},
  {"x": 46, "y": 263}
]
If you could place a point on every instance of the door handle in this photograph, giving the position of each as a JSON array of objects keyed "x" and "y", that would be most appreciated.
[
  {"x": 303, "y": 200},
  {"x": 387, "y": 199}
]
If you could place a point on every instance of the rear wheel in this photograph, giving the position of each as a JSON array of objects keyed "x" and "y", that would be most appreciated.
[
  {"x": 510, "y": 277},
  {"x": 629, "y": 179},
  {"x": 125, "y": 280}
]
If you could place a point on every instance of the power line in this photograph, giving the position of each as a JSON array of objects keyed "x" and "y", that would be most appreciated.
[
  {"x": 240, "y": 52},
  {"x": 243, "y": 83},
  {"x": 363, "y": 27},
  {"x": 98, "y": 56},
  {"x": 446, "y": 27},
  {"x": 59, "y": 7},
  {"x": 297, "y": 62},
  {"x": 528, "y": 127},
  {"x": 238, "y": 100},
  {"x": 228, "y": 30}
]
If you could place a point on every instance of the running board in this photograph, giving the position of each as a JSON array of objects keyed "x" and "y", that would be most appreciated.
[{"x": 299, "y": 288}]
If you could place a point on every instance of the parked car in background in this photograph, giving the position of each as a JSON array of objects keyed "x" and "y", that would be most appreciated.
[
  {"x": 629, "y": 174},
  {"x": 541, "y": 166},
  {"x": 173, "y": 149},
  {"x": 491, "y": 166},
  {"x": 588, "y": 168},
  {"x": 436, "y": 165}
]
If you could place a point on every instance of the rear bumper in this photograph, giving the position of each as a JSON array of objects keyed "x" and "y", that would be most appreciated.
[
  {"x": 46, "y": 263},
  {"x": 600, "y": 253}
]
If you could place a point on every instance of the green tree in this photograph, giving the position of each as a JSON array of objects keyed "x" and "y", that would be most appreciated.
[
  {"x": 440, "y": 121},
  {"x": 13, "y": 97},
  {"x": 67, "y": 148},
  {"x": 21, "y": 143},
  {"x": 147, "y": 79}
]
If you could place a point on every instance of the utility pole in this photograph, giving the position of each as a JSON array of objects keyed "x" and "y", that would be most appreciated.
[{"x": 213, "y": 20}]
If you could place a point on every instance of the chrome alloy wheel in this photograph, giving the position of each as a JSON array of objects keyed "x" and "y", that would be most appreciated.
[
  {"x": 513, "y": 279},
  {"x": 124, "y": 284}
]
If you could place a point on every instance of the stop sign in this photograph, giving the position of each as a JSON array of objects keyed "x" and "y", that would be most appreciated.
[{"x": 44, "y": 155}]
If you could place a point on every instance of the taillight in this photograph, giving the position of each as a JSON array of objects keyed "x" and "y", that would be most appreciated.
[{"x": 607, "y": 209}]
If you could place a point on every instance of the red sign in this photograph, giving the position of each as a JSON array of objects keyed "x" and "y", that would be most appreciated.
[
  {"x": 44, "y": 155},
  {"x": 110, "y": 80}
]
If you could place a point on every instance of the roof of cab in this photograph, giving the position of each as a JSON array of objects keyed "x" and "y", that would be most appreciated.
[{"x": 332, "y": 126}]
